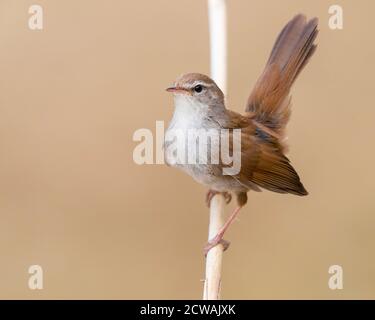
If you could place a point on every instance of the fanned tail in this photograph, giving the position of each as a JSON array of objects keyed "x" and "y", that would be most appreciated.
[
  {"x": 269, "y": 105},
  {"x": 269, "y": 100}
]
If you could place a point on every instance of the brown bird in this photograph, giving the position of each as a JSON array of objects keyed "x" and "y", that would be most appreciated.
[{"x": 199, "y": 104}]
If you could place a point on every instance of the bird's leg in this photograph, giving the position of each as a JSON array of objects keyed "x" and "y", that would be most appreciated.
[
  {"x": 219, "y": 236},
  {"x": 211, "y": 193}
]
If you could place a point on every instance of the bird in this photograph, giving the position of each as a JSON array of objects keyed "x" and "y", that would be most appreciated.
[{"x": 200, "y": 104}]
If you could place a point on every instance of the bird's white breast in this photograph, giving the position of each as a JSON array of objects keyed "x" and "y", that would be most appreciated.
[{"x": 188, "y": 113}]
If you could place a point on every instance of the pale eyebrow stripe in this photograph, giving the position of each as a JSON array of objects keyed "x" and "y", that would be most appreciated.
[{"x": 205, "y": 84}]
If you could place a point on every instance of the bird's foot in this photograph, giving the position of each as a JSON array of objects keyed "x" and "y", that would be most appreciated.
[
  {"x": 219, "y": 236},
  {"x": 218, "y": 239},
  {"x": 211, "y": 193}
]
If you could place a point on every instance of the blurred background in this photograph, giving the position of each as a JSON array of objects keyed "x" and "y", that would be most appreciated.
[{"x": 73, "y": 201}]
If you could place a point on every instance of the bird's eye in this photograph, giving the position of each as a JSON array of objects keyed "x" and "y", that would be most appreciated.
[{"x": 198, "y": 88}]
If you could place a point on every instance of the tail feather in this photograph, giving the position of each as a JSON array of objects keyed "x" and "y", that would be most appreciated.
[
  {"x": 269, "y": 104},
  {"x": 269, "y": 100}
]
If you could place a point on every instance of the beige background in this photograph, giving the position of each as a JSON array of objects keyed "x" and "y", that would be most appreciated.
[{"x": 73, "y": 201}]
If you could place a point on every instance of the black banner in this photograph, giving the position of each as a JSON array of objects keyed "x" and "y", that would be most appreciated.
[{"x": 189, "y": 309}]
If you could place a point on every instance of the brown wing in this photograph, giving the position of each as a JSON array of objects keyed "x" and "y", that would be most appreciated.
[
  {"x": 264, "y": 164},
  {"x": 262, "y": 161},
  {"x": 274, "y": 172}
]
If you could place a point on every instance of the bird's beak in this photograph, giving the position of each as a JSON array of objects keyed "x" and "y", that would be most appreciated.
[{"x": 178, "y": 90}]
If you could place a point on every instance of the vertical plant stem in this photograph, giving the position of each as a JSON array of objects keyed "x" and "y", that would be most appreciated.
[{"x": 218, "y": 44}]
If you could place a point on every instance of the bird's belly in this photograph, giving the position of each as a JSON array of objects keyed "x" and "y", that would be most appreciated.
[{"x": 212, "y": 177}]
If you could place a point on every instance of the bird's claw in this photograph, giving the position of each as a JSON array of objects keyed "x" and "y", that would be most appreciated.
[
  {"x": 211, "y": 193},
  {"x": 214, "y": 242}
]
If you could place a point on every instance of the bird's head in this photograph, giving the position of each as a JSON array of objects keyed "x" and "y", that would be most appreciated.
[{"x": 197, "y": 89}]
